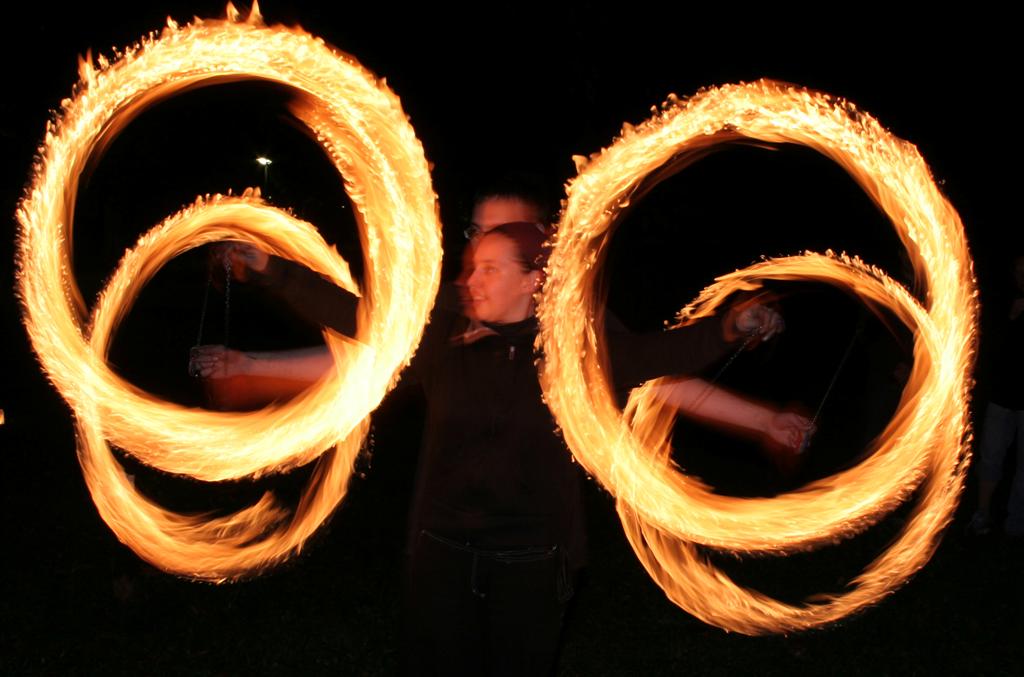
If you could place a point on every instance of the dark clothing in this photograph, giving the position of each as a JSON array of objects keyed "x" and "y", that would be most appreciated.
[
  {"x": 483, "y": 612},
  {"x": 1008, "y": 366},
  {"x": 1004, "y": 418},
  {"x": 494, "y": 475}
]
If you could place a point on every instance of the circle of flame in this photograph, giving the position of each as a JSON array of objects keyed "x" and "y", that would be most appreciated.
[
  {"x": 667, "y": 514},
  {"x": 361, "y": 125}
]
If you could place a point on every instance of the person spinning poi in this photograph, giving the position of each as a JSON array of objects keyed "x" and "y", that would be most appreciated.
[{"x": 496, "y": 534}]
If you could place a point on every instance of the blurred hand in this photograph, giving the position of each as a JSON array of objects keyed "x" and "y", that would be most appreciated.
[
  {"x": 785, "y": 437},
  {"x": 759, "y": 321},
  {"x": 214, "y": 362},
  {"x": 242, "y": 257},
  {"x": 1016, "y": 308},
  {"x": 789, "y": 429}
]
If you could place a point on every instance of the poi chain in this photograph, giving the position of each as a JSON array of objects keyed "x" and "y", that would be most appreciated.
[{"x": 361, "y": 126}]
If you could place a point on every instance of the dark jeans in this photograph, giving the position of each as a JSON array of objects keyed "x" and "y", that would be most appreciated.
[{"x": 484, "y": 612}]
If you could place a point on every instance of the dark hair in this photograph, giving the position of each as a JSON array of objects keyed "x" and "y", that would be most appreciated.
[
  {"x": 528, "y": 188},
  {"x": 530, "y": 240}
]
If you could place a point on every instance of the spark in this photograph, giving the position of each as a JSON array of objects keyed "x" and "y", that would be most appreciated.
[
  {"x": 362, "y": 128},
  {"x": 665, "y": 513}
]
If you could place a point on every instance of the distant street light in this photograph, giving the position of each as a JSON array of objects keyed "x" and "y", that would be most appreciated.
[{"x": 266, "y": 162}]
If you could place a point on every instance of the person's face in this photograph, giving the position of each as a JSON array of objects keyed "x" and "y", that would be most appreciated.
[
  {"x": 499, "y": 289},
  {"x": 495, "y": 211}
]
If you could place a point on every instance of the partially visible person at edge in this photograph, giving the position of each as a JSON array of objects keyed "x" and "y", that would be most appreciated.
[
  {"x": 1004, "y": 417},
  {"x": 497, "y": 525}
]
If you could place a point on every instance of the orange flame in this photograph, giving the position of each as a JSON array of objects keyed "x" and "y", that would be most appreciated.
[
  {"x": 374, "y": 148},
  {"x": 363, "y": 129},
  {"x": 926, "y": 443}
]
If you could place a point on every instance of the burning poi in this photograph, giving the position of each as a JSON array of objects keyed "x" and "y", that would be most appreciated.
[
  {"x": 925, "y": 445},
  {"x": 365, "y": 133},
  {"x": 362, "y": 128}
]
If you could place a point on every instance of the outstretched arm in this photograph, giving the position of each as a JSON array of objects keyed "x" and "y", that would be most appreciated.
[
  {"x": 314, "y": 298},
  {"x": 707, "y": 402},
  {"x": 305, "y": 365},
  {"x": 235, "y": 379},
  {"x": 687, "y": 350}
]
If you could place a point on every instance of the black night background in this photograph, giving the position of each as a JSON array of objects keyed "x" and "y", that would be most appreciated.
[{"x": 492, "y": 88}]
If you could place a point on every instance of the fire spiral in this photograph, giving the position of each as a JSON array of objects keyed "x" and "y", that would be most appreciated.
[
  {"x": 667, "y": 514},
  {"x": 363, "y": 129},
  {"x": 366, "y": 134}
]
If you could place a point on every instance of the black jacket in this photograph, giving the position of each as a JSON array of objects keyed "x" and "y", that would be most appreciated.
[{"x": 494, "y": 473}]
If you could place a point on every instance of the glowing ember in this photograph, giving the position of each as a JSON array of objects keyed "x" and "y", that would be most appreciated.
[
  {"x": 362, "y": 128},
  {"x": 926, "y": 443}
]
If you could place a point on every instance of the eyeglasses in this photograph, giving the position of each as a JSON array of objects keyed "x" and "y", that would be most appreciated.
[{"x": 475, "y": 229}]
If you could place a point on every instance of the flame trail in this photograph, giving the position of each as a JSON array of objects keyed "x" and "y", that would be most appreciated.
[
  {"x": 925, "y": 444},
  {"x": 361, "y": 125}
]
